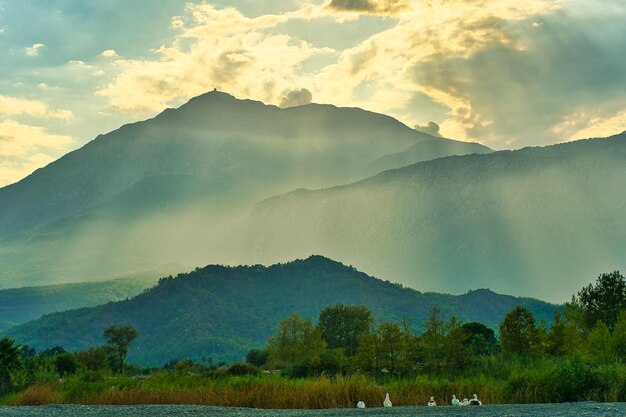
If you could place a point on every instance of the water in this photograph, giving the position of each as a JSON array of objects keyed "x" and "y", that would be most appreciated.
[{"x": 586, "y": 409}]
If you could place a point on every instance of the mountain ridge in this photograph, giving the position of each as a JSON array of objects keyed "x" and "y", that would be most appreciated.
[
  {"x": 504, "y": 219},
  {"x": 223, "y": 311}
]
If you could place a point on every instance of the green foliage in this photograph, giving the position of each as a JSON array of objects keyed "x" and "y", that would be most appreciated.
[
  {"x": 95, "y": 358},
  {"x": 604, "y": 300},
  {"x": 296, "y": 342},
  {"x": 564, "y": 337},
  {"x": 479, "y": 339},
  {"x": 598, "y": 344},
  {"x": 66, "y": 364},
  {"x": 257, "y": 357},
  {"x": 121, "y": 338},
  {"x": 9, "y": 361},
  {"x": 518, "y": 332},
  {"x": 342, "y": 326},
  {"x": 618, "y": 337},
  {"x": 215, "y": 311},
  {"x": 433, "y": 340},
  {"x": 242, "y": 369}
]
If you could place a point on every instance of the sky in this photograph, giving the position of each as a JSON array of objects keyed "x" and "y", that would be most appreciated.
[{"x": 506, "y": 73}]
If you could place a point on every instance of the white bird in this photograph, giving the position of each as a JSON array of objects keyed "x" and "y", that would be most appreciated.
[
  {"x": 431, "y": 402},
  {"x": 455, "y": 401},
  {"x": 464, "y": 402},
  {"x": 475, "y": 400},
  {"x": 387, "y": 402},
  {"x": 360, "y": 404}
]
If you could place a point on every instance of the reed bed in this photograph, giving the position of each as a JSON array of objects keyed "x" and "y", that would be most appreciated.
[{"x": 570, "y": 382}]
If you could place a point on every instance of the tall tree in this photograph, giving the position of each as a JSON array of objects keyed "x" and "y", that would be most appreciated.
[
  {"x": 518, "y": 332},
  {"x": 604, "y": 300},
  {"x": 434, "y": 337},
  {"x": 342, "y": 326},
  {"x": 598, "y": 344},
  {"x": 618, "y": 337},
  {"x": 564, "y": 337},
  {"x": 9, "y": 362},
  {"x": 296, "y": 341},
  {"x": 120, "y": 338},
  {"x": 454, "y": 342},
  {"x": 479, "y": 339}
]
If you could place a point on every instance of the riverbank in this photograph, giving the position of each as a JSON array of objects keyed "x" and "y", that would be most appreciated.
[{"x": 562, "y": 383}]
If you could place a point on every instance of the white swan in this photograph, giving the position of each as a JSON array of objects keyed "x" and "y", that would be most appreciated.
[
  {"x": 464, "y": 402},
  {"x": 455, "y": 401},
  {"x": 475, "y": 400},
  {"x": 431, "y": 402},
  {"x": 387, "y": 402},
  {"x": 360, "y": 404}
]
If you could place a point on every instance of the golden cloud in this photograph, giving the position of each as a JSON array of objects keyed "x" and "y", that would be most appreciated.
[{"x": 13, "y": 106}]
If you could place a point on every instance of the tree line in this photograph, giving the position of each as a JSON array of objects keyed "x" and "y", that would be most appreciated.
[
  {"x": 589, "y": 331},
  {"x": 346, "y": 339}
]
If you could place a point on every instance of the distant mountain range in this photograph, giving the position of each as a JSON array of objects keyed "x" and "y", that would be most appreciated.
[
  {"x": 170, "y": 190},
  {"x": 221, "y": 312},
  {"x": 537, "y": 221},
  {"x": 20, "y": 305}
]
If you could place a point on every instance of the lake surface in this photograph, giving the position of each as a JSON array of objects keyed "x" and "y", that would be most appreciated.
[{"x": 530, "y": 410}]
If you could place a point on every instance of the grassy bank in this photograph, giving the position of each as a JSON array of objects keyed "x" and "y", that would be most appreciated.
[{"x": 565, "y": 381}]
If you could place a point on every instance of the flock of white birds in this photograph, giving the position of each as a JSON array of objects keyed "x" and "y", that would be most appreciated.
[{"x": 432, "y": 403}]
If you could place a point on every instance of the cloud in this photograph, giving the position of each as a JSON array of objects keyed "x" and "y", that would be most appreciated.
[
  {"x": 299, "y": 97},
  {"x": 13, "y": 106},
  {"x": 109, "y": 53},
  {"x": 541, "y": 88},
  {"x": 430, "y": 128},
  {"x": 34, "y": 50},
  {"x": 216, "y": 48},
  {"x": 370, "y": 6},
  {"x": 21, "y": 140}
]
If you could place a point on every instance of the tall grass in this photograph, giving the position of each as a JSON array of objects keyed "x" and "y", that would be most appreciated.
[{"x": 569, "y": 380}]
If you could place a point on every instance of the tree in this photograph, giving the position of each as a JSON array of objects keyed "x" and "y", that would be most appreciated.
[
  {"x": 454, "y": 344},
  {"x": 518, "y": 332},
  {"x": 296, "y": 341},
  {"x": 564, "y": 337},
  {"x": 598, "y": 344},
  {"x": 9, "y": 362},
  {"x": 94, "y": 358},
  {"x": 66, "y": 364},
  {"x": 604, "y": 300},
  {"x": 393, "y": 348},
  {"x": 120, "y": 338},
  {"x": 618, "y": 337},
  {"x": 434, "y": 337},
  {"x": 479, "y": 339},
  {"x": 257, "y": 357},
  {"x": 342, "y": 326}
]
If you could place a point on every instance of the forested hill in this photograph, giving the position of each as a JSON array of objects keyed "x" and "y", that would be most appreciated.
[
  {"x": 20, "y": 305},
  {"x": 221, "y": 312}
]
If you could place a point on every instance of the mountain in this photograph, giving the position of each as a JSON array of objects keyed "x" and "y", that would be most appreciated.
[
  {"x": 536, "y": 221},
  {"x": 168, "y": 189},
  {"x": 222, "y": 312},
  {"x": 424, "y": 151},
  {"x": 20, "y": 305}
]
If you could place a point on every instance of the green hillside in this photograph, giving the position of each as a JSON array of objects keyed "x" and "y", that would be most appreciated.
[
  {"x": 222, "y": 312},
  {"x": 19, "y": 305}
]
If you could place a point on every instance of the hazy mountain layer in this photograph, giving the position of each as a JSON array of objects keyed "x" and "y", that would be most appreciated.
[
  {"x": 538, "y": 221},
  {"x": 20, "y": 305},
  {"x": 167, "y": 190},
  {"x": 221, "y": 312}
]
